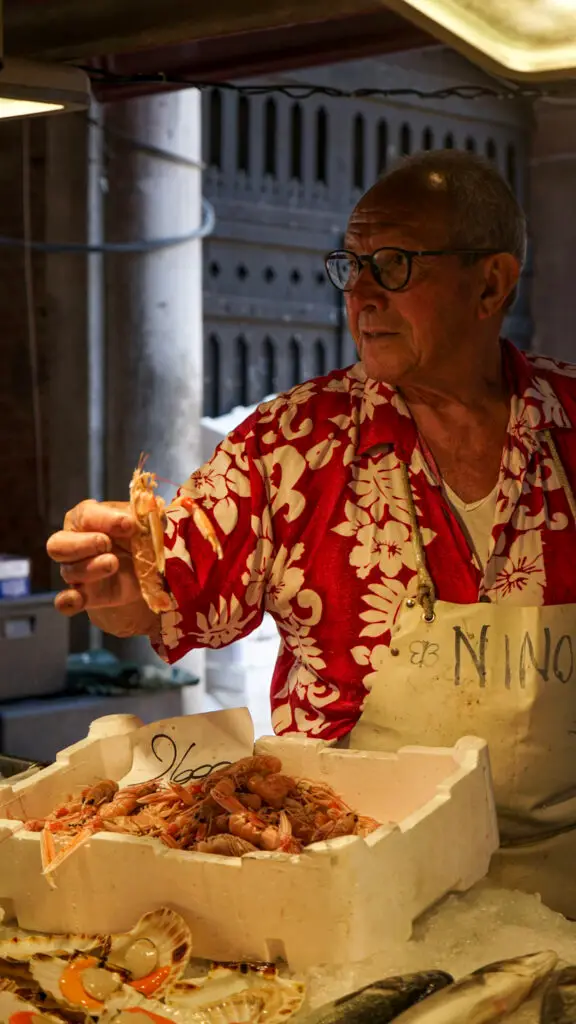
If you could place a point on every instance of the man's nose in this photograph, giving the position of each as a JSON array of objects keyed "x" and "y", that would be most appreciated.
[{"x": 365, "y": 286}]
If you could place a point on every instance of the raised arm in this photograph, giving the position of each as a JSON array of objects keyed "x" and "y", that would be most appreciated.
[{"x": 218, "y": 543}]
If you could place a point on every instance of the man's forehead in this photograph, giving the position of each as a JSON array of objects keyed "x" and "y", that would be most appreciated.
[
  {"x": 377, "y": 216},
  {"x": 377, "y": 220},
  {"x": 417, "y": 231}
]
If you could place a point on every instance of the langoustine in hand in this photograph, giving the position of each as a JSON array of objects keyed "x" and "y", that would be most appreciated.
[{"x": 149, "y": 511}]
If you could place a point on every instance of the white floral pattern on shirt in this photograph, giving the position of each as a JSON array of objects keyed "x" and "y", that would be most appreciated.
[{"x": 309, "y": 503}]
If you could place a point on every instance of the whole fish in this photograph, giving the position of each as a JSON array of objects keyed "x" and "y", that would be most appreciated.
[
  {"x": 381, "y": 1001},
  {"x": 559, "y": 1002},
  {"x": 485, "y": 995}
]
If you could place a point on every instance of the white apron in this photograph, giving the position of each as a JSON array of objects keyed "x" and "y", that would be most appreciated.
[{"x": 508, "y": 675}]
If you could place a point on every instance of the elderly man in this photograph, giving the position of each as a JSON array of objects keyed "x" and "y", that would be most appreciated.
[{"x": 408, "y": 521}]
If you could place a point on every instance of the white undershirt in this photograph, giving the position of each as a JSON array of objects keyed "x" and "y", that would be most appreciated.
[{"x": 476, "y": 520}]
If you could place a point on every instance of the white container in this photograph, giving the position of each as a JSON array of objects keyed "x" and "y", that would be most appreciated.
[{"x": 337, "y": 902}]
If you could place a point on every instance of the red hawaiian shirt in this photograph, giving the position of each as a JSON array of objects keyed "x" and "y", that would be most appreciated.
[{"x": 307, "y": 499}]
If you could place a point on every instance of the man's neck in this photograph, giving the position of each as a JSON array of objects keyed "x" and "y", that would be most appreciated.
[
  {"x": 458, "y": 390},
  {"x": 463, "y": 419}
]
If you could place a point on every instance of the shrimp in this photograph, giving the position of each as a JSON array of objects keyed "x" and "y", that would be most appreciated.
[
  {"x": 272, "y": 789},
  {"x": 344, "y": 825},
  {"x": 280, "y": 838},
  {"x": 226, "y": 845},
  {"x": 120, "y": 807},
  {"x": 148, "y": 544},
  {"x": 365, "y": 825},
  {"x": 244, "y": 806},
  {"x": 101, "y": 793},
  {"x": 149, "y": 511}
]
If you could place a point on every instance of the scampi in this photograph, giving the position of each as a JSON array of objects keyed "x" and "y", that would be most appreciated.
[
  {"x": 559, "y": 1002},
  {"x": 243, "y": 807},
  {"x": 381, "y": 1001},
  {"x": 486, "y": 995}
]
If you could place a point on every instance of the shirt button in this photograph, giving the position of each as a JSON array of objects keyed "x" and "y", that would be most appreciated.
[{"x": 394, "y": 652}]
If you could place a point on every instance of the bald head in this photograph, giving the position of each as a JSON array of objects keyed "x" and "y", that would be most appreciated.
[{"x": 455, "y": 188}]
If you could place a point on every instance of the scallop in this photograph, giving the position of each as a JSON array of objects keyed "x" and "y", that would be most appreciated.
[
  {"x": 154, "y": 953},
  {"x": 16, "y": 1010},
  {"x": 241, "y": 994},
  {"x": 21, "y": 946},
  {"x": 133, "y": 1008},
  {"x": 17, "y": 972},
  {"x": 239, "y": 1008},
  {"x": 82, "y": 983},
  {"x": 140, "y": 1015},
  {"x": 8, "y": 985}
]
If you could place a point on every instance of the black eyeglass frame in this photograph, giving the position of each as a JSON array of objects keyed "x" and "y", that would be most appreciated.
[{"x": 410, "y": 254}]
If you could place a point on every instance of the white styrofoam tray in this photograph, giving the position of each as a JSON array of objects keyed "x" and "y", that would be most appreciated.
[{"x": 337, "y": 902}]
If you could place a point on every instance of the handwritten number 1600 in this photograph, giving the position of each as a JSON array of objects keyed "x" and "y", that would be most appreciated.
[{"x": 174, "y": 770}]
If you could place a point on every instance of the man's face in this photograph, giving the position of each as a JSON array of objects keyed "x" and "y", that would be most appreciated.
[{"x": 410, "y": 336}]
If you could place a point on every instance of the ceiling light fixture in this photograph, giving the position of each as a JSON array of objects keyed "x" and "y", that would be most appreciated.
[
  {"x": 30, "y": 89},
  {"x": 524, "y": 39}
]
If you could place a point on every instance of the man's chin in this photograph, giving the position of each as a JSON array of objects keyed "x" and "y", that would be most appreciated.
[{"x": 387, "y": 371}]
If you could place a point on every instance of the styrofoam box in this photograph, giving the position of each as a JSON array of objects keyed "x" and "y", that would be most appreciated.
[{"x": 337, "y": 902}]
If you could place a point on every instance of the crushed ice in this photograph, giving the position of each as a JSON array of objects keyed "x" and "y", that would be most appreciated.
[{"x": 460, "y": 934}]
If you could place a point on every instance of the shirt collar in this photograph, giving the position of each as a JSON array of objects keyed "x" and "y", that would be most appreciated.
[
  {"x": 534, "y": 399},
  {"x": 385, "y": 417}
]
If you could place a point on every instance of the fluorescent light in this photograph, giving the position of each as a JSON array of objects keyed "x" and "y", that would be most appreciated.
[
  {"x": 30, "y": 89},
  {"x": 25, "y": 108},
  {"x": 527, "y": 39}
]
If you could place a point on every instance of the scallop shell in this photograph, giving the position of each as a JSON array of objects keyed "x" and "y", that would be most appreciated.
[
  {"x": 68, "y": 982},
  {"x": 12, "y": 1004},
  {"x": 240, "y": 994},
  {"x": 154, "y": 953},
  {"x": 239, "y": 1008},
  {"x": 17, "y": 972},
  {"x": 20, "y": 946},
  {"x": 8, "y": 985},
  {"x": 133, "y": 1008}
]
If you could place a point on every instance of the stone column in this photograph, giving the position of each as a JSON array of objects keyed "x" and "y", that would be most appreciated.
[
  {"x": 154, "y": 341},
  {"x": 553, "y": 228}
]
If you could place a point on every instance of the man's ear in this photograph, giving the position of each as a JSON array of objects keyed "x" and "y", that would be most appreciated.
[{"x": 501, "y": 273}]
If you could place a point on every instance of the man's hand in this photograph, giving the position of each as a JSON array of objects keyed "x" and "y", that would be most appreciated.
[{"x": 94, "y": 553}]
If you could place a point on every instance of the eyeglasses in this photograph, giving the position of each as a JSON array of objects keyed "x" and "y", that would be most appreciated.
[{"x": 391, "y": 267}]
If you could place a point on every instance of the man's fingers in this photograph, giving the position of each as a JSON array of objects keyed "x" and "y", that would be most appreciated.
[
  {"x": 90, "y": 570},
  {"x": 94, "y": 553},
  {"x": 73, "y": 600},
  {"x": 68, "y": 546},
  {"x": 113, "y": 519},
  {"x": 69, "y": 602}
]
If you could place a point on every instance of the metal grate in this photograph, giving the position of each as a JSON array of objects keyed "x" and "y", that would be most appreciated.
[{"x": 283, "y": 176}]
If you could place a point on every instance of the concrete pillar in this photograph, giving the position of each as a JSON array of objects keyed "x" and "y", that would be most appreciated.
[
  {"x": 553, "y": 228},
  {"x": 153, "y": 300}
]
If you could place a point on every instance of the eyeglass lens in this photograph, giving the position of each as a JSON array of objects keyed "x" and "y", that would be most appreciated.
[{"x": 392, "y": 268}]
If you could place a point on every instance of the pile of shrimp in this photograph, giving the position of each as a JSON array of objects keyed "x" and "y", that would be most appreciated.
[{"x": 247, "y": 806}]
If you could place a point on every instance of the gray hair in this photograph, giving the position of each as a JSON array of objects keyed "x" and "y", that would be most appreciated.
[{"x": 486, "y": 213}]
